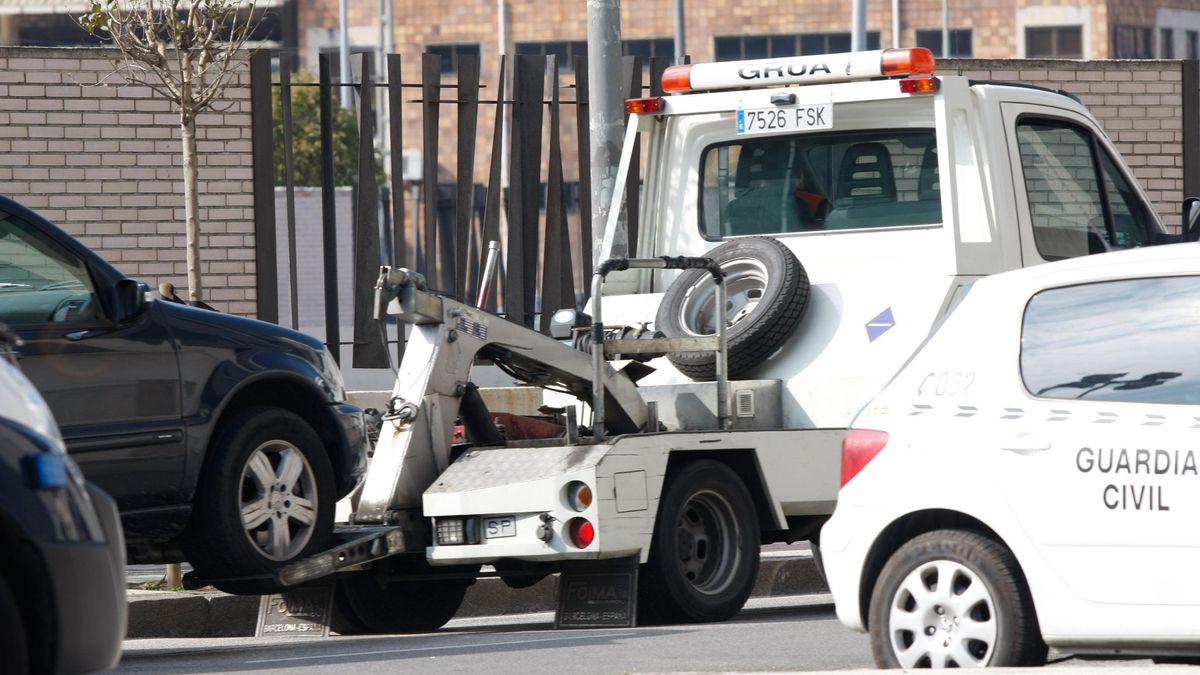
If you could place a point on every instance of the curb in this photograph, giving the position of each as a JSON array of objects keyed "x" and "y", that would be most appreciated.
[{"x": 161, "y": 614}]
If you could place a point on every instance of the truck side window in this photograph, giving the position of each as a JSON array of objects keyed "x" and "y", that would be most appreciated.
[
  {"x": 39, "y": 281},
  {"x": 820, "y": 182},
  {"x": 1076, "y": 341},
  {"x": 1072, "y": 212}
]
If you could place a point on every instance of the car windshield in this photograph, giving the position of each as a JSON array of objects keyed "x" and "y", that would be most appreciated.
[{"x": 820, "y": 182}]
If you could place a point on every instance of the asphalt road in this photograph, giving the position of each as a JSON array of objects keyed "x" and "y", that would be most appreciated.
[{"x": 797, "y": 633}]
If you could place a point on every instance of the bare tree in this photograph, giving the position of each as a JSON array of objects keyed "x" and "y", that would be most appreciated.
[{"x": 186, "y": 51}]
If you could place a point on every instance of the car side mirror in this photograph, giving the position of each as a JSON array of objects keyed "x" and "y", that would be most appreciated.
[
  {"x": 129, "y": 299},
  {"x": 1191, "y": 219}
]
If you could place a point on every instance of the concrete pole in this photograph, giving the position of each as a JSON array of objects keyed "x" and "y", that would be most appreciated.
[
  {"x": 347, "y": 93},
  {"x": 605, "y": 115},
  {"x": 945, "y": 28},
  {"x": 383, "y": 128},
  {"x": 896, "y": 24},
  {"x": 858, "y": 26},
  {"x": 680, "y": 33}
]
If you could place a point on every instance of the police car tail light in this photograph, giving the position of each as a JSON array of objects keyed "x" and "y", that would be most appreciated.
[
  {"x": 677, "y": 78},
  {"x": 913, "y": 61},
  {"x": 919, "y": 85},
  {"x": 859, "y": 447},
  {"x": 642, "y": 106}
]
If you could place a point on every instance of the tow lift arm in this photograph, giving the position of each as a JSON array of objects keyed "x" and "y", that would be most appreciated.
[{"x": 433, "y": 385}]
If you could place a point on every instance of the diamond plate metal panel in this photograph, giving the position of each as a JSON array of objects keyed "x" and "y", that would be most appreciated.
[{"x": 483, "y": 468}]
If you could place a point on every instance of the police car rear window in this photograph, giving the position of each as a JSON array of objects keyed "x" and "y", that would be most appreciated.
[
  {"x": 1127, "y": 340},
  {"x": 820, "y": 182}
]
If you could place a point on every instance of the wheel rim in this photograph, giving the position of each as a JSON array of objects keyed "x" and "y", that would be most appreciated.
[
  {"x": 745, "y": 285},
  {"x": 278, "y": 500},
  {"x": 707, "y": 536},
  {"x": 942, "y": 616}
]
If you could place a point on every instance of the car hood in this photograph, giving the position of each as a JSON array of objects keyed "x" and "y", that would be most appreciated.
[{"x": 207, "y": 323}]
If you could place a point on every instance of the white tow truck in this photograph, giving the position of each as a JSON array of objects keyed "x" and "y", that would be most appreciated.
[{"x": 834, "y": 207}]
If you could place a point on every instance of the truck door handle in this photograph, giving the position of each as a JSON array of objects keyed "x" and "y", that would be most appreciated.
[{"x": 1026, "y": 444}]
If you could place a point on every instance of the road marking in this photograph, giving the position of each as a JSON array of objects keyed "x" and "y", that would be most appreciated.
[{"x": 437, "y": 648}]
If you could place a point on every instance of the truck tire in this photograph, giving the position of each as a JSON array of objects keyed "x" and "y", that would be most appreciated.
[
  {"x": 767, "y": 293},
  {"x": 704, "y": 555},
  {"x": 266, "y": 497},
  {"x": 13, "y": 642},
  {"x": 987, "y": 618},
  {"x": 363, "y": 605}
]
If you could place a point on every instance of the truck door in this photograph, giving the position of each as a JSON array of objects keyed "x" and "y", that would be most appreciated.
[
  {"x": 1104, "y": 476},
  {"x": 1073, "y": 194}
]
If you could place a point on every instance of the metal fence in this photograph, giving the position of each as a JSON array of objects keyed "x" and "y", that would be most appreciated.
[{"x": 444, "y": 231}]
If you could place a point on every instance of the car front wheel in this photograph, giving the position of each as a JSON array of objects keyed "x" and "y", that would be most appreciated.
[
  {"x": 953, "y": 599},
  {"x": 266, "y": 497}
]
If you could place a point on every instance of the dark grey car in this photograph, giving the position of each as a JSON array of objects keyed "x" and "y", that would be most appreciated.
[{"x": 225, "y": 440}]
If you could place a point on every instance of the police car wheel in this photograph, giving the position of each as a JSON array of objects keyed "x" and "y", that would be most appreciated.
[
  {"x": 704, "y": 555},
  {"x": 766, "y": 296},
  {"x": 953, "y": 599}
]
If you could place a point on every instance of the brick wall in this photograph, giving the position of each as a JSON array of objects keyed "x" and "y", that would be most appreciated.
[
  {"x": 103, "y": 161},
  {"x": 1139, "y": 104}
]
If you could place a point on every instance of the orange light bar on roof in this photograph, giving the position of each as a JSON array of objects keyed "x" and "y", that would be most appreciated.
[
  {"x": 643, "y": 106},
  {"x": 677, "y": 78},
  {"x": 912, "y": 61},
  {"x": 794, "y": 70}
]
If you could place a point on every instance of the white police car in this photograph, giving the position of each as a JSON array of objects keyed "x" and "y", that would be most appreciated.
[{"x": 1032, "y": 476}]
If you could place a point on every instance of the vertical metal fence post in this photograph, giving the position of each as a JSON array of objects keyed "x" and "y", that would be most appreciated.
[
  {"x": 369, "y": 350},
  {"x": 333, "y": 336},
  {"x": 289, "y": 170},
  {"x": 468, "y": 115},
  {"x": 266, "y": 285},
  {"x": 558, "y": 285},
  {"x": 431, "y": 79},
  {"x": 491, "y": 211},
  {"x": 631, "y": 69},
  {"x": 583, "y": 137}
]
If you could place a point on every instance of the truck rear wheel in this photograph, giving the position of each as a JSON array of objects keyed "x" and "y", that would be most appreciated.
[
  {"x": 766, "y": 297},
  {"x": 365, "y": 603},
  {"x": 704, "y": 556}
]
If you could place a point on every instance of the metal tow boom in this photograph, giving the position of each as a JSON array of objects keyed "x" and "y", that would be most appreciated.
[{"x": 447, "y": 339}]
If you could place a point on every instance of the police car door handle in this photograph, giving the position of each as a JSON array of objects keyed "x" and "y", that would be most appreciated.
[{"x": 1026, "y": 444}]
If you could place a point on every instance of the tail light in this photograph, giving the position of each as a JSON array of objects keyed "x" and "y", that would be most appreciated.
[
  {"x": 919, "y": 85},
  {"x": 643, "y": 106},
  {"x": 859, "y": 447},
  {"x": 578, "y": 495},
  {"x": 581, "y": 532}
]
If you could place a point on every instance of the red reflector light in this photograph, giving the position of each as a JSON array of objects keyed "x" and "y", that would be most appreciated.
[
  {"x": 912, "y": 61},
  {"x": 919, "y": 85},
  {"x": 642, "y": 106},
  {"x": 677, "y": 78},
  {"x": 859, "y": 447},
  {"x": 581, "y": 532}
]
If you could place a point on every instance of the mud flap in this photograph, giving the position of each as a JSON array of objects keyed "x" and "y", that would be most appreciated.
[
  {"x": 299, "y": 612},
  {"x": 601, "y": 595}
]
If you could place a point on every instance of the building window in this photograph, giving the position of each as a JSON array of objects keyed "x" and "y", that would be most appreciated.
[
  {"x": 1193, "y": 44},
  {"x": 450, "y": 53},
  {"x": 1166, "y": 43},
  {"x": 565, "y": 50},
  {"x": 1054, "y": 42},
  {"x": 742, "y": 47},
  {"x": 960, "y": 42},
  {"x": 1132, "y": 42},
  {"x": 647, "y": 48}
]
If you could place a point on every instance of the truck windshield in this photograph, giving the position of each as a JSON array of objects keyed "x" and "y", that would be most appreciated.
[{"x": 820, "y": 182}]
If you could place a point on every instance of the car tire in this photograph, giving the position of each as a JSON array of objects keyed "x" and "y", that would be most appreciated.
[
  {"x": 704, "y": 555},
  {"x": 365, "y": 605},
  {"x": 266, "y": 497},
  {"x": 14, "y": 645},
  {"x": 767, "y": 290},
  {"x": 987, "y": 618}
]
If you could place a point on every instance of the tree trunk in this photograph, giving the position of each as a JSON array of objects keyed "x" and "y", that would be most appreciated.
[{"x": 191, "y": 206}]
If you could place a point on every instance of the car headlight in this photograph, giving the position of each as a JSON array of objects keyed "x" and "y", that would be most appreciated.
[{"x": 39, "y": 418}]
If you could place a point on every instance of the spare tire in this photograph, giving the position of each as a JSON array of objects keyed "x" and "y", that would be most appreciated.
[{"x": 766, "y": 294}]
